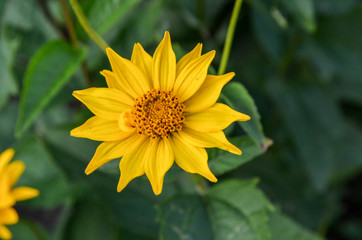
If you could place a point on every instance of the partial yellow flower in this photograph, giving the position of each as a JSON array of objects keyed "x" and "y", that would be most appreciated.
[
  {"x": 156, "y": 111},
  {"x": 9, "y": 175}
]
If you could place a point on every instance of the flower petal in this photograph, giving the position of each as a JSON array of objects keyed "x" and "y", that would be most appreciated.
[
  {"x": 6, "y": 199},
  {"x": 107, "y": 103},
  {"x": 108, "y": 151},
  {"x": 214, "y": 119},
  {"x": 159, "y": 159},
  {"x": 195, "y": 53},
  {"x": 5, "y": 157},
  {"x": 24, "y": 193},
  {"x": 143, "y": 61},
  {"x": 8, "y": 216},
  {"x": 131, "y": 78},
  {"x": 14, "y": 171},
  {"x": 131, "y": 165},
  {"x": 112, "y": 81},
  {"x": 190, "y": 158},
  {"x": 192, "y": 76},
  {"x": 99, "y": 129},
  {"x": 5, "y": 233},
  {"x": 164, "y": 65},
  {"x": 208, "y": 140},
  {"x": 208, "y": 93}
]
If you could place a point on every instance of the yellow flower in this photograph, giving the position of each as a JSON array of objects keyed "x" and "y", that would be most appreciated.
[
  {"x": 9, "y": 175},
  {"x": 156, "y": 111}
]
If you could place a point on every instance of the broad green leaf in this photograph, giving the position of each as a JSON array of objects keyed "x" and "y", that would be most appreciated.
[
  {"x": 231, "y": 210},
  {"x": 7, "y": 122},
  {"x": 303, "y": 12},
  {"x": 184, "y": 217},
  {"x": 283, "y": 228},
  {"x": 49, "y": 70},
  {"x": 334, "y": 7},
  {"x": 239, "y": 210},
  {"x": 239, "y": 99},
  {"x": 222, "y": 161},
  {"x": 42, "y": 173}
]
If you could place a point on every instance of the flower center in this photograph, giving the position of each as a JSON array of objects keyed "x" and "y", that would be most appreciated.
[{"x": 157, "y": 113}]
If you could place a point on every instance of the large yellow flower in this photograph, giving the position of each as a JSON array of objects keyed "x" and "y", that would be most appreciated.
[
  {"x": 9, "y": 175},
  {"x": 156, "y": 111}
]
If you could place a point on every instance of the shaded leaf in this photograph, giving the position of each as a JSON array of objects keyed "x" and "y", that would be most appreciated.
[{"x": 49, "y": 70}]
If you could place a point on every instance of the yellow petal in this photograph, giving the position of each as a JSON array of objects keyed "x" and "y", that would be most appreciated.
[
  {"x": 164, "y": 65},
  {"x": 24, "y": 193},
  {"x": 190, "y": 158},
  {"x": 159, "y": 159},
  {"x": 124, "y": 122},
  {"x": 14, "y": 171},
  {"x": 5, "y": 157},
  {"x": 131, "y": 165},
  {"x": 108, "y": 151},
  {"x": 214, "y": 119},
  {"x": 195, "y": 53},
  {"x": 131, "y": 78},
  {"x": 143, "y": 61},
  {"x": 5, "y": 233},
  {"x": 6, "y": 199},
  {"x": 112, "y": 81},
  {"x": 208, "y": 140},
  {"x": 8, "y": 216},
  {"x": 208, "y": 93},
  {"x": 192, "y": 76},
  {"x": 107, "y": 103},
  {"x": 99, "y": 129}
]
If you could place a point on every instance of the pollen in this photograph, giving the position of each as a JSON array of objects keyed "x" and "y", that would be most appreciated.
[{"x": 157, "y": 113}]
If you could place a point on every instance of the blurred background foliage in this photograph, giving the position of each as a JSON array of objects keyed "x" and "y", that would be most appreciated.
[{"x": 297, "y": 65}]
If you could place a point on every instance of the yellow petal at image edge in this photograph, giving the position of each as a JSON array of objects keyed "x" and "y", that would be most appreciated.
[
  {"x": 8, "y": 216},
  {"x": 164, "y": 65},
  {"x": 213, "y": 119},
  {"x": 14, "y": 171},
  {"x": 190, "y": 158},
  {"x": 208, "y": 93},
  {"x": 5, "y": 157},
  {"x": 24, "y": 193},
  {"x": 5, "y": 233},
  {"x": 159, "y": 158}
]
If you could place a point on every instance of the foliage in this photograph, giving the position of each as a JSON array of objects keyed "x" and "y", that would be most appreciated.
[{"x": 298, "y": 75}]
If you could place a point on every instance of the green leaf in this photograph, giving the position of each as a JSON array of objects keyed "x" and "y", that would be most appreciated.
[
  {"x": 42, "y": 173},
  {"x": 49, "y": 70},
  {"x": 239, "y": 99},
  {"x": 23, "y": 230},
  {"x": 222, "y": 161},
  {"x": 303, "y": 11},
  {"x": 184, "y": 217},
  {"x": 231, "y": 210},
  {"x": 283, "y": 228},
  {"x": 239, "y": 210}
]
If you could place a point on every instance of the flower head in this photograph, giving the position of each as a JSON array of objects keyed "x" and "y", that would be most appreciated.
[
  {"x": 156, "y": 111},
  {"x": 9, "y": 175}
]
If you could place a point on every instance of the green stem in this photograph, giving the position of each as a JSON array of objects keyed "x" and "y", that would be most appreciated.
[
  {"x": 229, "y": 37},
  {"x": 83, "y": 21},
  {"x": 69, "y": 23}
]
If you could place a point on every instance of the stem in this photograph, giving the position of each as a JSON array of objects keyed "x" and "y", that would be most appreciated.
[
  {"x": 69, "y": 23},
  {"x": 229, "y": 37},
  {"x": 83, "y": 21}
]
